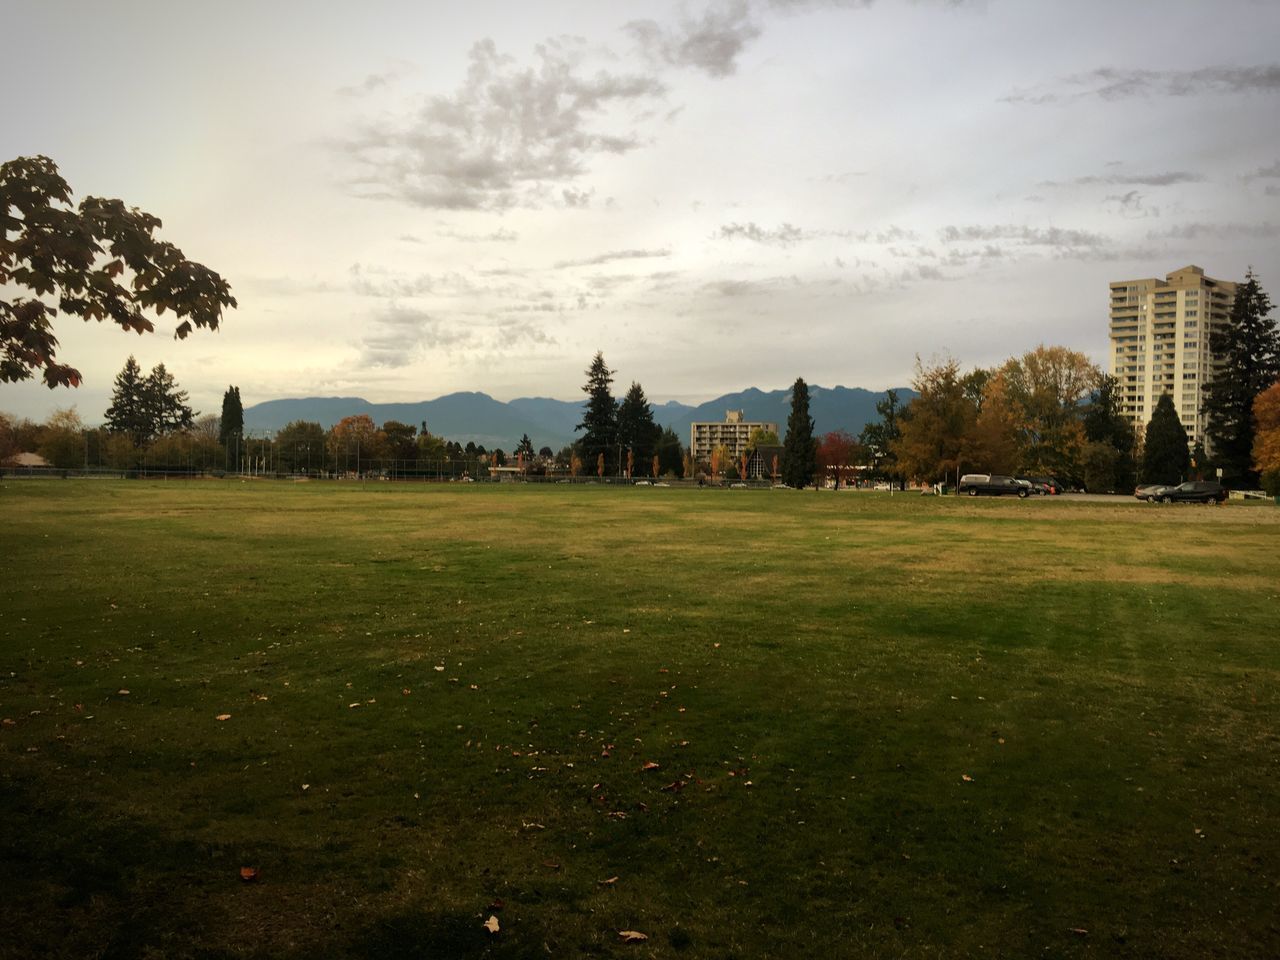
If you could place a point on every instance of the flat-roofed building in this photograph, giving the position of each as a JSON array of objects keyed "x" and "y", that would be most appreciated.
[
  {"x": 733, "y": 434},
  {"x": 1160, "y": 343}
]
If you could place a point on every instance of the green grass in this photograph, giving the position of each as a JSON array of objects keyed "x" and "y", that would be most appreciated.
[{"x": 815, "y": 675}]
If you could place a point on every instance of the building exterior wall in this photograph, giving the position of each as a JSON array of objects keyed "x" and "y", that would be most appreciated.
[
  {"x": 733, "y": 434},
  {"x": 1160, "y": 343}
]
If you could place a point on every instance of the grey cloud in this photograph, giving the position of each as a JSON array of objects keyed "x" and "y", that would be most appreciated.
[
  {"x": 1166, "y": 179},
  {"x": 711, "y": 44},
  {"x": 923, "y": 271},
  {"x": 800, "y": 6},
  {"x": 400, "y": 335},
  {"x": 956, "y": 256},
  {"x": 1265, "y": 173},
  {"x": 1028, "y": 236},
  {"x": 783, "y": 236},
  {"x": 576, "y": 198},
  {"x": 503, "y": 137},
  {"x": 513, "y": 332},
  {"x": 788, "y": 234},
  {"x": 371, "y": 282},
  {"x": 744, "y": 288},
  {"x": 612, "y": 256},
  {"x": 1130, "y": 204},
  {"x": 1200, "y": 231},
  {"x": 372, "y": 82},
  {"x": 1112, "y": 83},
  {"x": 1272, "y": 190},
  {"x": 501, "y": 235},
  {"x": 891, "y": 234}
]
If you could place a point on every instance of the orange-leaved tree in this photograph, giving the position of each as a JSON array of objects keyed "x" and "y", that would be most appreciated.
[{"x": 1266, "y": 437}]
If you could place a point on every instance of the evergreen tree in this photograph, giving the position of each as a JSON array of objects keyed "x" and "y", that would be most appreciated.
[
  {"x": 232, "y": 425},
  {"x": 599, "y": 424},
  {"x": 128, "y": 413},
  {"x": 525, "y": 446},
  {"x": 880, "y": 438},
  {"x": 1248, "y": 346},
  {"x": 1105, "y": 424},
  {"x": 670, "y": 453},
  {"x": 1164, "y": 455},
  {"x": 636, "y": 430},
  {"x": 799, "y": 450},
  {"x": 166, "y": 405}
]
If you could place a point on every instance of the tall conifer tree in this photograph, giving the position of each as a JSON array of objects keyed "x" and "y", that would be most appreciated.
[
  {"x": 599, "y": 426},
  {"x": 128, "y": 411},
  {"x": 232, "y": 423},
  {"x": 799, "y": 449},
  {"x": 1248, "y": 346},
  {"x": 1165, "y": 458},
  {"x": 166, "y": 404},
  {"x": 636, "y": 430}
]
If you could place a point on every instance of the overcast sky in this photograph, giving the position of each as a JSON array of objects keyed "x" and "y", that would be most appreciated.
[{"x": 412, "y": 198}]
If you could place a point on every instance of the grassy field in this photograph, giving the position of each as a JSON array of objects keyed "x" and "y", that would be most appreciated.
[{"x": 882, "y": 727}]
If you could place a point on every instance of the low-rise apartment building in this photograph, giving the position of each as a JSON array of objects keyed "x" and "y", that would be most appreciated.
[{"x": 733, "y": 434}]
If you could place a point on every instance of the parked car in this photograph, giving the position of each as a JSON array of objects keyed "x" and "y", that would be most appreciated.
[
  {"x": 1194, "y": 491},
  {"x": 1150, "y": 492},
  {"x": 1040, "y": 486},
  {"x": 993, "y": 485},
  {"x": 1044, "y": 486}
]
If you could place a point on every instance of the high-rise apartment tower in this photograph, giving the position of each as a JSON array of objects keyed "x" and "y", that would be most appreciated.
[{"x": 1160, "y": 343}]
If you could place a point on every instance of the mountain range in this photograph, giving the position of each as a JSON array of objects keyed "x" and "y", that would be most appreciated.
[{"x": 480, "y": 418}]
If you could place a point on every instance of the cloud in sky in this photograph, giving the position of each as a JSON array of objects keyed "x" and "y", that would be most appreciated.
[
  {"x": 784, "y": 235},
  {"x": 711, "y": 43},
  {"x": 1116, "y": 83},
  {"x": 397, "y": 336},
  {"x": 504, "y": 136},
  {"x": 1024, "y": 235},
  {"x": 611, "y": 256},
  {"x": 1265, "y": 173},
  {"x": 1135, "y": 179},
  {"x": 371, "y": 83}
]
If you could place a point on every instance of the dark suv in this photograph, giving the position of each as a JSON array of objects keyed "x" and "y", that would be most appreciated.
[
  {"x": 1193, "y": 491},
  {"x": 993, "y": 485}
]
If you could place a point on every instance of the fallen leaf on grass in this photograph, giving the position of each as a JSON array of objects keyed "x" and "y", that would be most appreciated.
[
  {"x": 406, "y": 691},
  {"x": 551, "y": 864},
  {"x": 609, "y": 882},
  {"x": 248, "y": 874},
  {"x": 632, "y": 936},
  {"x": 675, "y": 786},
  {"x": 491, "y": 924},
  {"x": 223, "y": 716},
  {"x": 438, "y": 669},
  {"x": 1078, "y": 931},
  {"x": 966, "y": 778},
  {"x": 123, "y": 693},
  {"x": 650, "y": 766},
  {"x": 306, "y": 786},
  {"x": 352, "y": 706}
]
